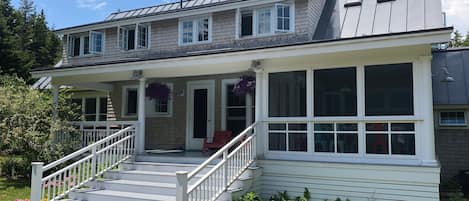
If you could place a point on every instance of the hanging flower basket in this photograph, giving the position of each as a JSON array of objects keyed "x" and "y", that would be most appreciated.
[
  {"x": 158, "y": 91},
  {"x": 247, "y": 85}
]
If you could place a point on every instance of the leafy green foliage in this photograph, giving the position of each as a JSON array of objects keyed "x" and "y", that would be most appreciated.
[
  {"x": 251, "y": 196},
  {"x": 283, "y": 196},
  {"x": 458, "y": 40},
  {"x": 25, "y": 40},
  {"x": 28, "y": 126}
]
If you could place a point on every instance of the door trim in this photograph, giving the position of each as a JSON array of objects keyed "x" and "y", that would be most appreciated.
[{"x": 210, "y": 85}]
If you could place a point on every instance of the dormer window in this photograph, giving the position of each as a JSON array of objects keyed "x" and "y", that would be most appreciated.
[
  {"x": 134, "y": 37},
  {"x": 87, "y": 43},
  {"x": 277, "y": 18},
  {"x": 195, "y": 30}
]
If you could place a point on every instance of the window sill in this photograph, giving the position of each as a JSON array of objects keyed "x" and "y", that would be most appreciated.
[
  {"x": 162, "y": 115},
  {"x": 135, "y": 50},
  {"x": 195, "y": 43},
  {"x": 86, "y": 56},
  {"x": 280, "y": 33}
]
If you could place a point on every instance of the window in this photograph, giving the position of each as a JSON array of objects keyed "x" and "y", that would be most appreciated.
[
  {"x": 287, "y": 94},
  {"x": 153, "y": 107},
  {"x": 160, "y": 107},
  {"x": 264, "y": 18},
  {"x": 246, "y": 23},
  {"x": 389, "y": 90},
  {"x": 397, "y": 137},
  {"x": 85, "y": 44},
  {"x": 288, "y": 137},
  {"x": 278, "y": 18},
  {"x": 134, "y": 37},
  {"x": 92, "y": 108},
  {"x": 335, "y": 92},
  {"x": 453, "y": 118},
  {"x": 195, "y": 30},
  {"x": 130, "y": 101},
  {"x": 336, "y": 138},
  {"x": 283, "y": 17},
  {"x": 238, "y": 111}
]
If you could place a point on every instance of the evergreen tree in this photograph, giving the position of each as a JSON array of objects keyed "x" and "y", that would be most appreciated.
[{"x": 458, "y": 40}]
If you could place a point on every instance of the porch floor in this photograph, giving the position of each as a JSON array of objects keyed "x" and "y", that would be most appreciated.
[{"x": 187, "y": 157}]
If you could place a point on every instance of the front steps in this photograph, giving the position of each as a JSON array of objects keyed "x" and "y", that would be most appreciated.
[{"x": 151, "y": 181}]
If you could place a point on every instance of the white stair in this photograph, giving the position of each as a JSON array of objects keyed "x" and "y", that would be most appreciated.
[{"x": 150, "y": 181}]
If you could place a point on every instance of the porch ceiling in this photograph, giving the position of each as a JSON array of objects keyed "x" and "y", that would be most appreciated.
[{"x": 348, "y": 52}]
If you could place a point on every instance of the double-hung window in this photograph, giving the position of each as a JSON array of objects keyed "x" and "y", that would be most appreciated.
[
  {"x": 195, "y": 30},
  {"x": 134, "y": 37},
  {"x": 154, "y": 107},
  {"x": 453, "y": 118},
  {"x": 86, "y": 43},
  {"x": 277, "y": 18}
]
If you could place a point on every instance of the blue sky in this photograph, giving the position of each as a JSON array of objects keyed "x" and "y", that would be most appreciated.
[{"x": 66, "y": 13}]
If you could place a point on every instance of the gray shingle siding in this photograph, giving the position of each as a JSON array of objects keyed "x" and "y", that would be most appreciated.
[{"x": 164, "y": 36}]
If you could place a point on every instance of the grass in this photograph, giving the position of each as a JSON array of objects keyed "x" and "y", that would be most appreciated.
[{"x": 13, "y": 189}]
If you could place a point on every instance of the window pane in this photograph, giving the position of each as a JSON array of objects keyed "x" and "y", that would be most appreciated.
[
  {"x": 297, "y": 127},
  {"x": 102, "y": 109},
  {"x": 86, "y": 45},
  {"x": 324, "y": 142},
  {"x": 389, "y": 90},
  {"x": 203, "y": 29},
  {"x": 264, "y": 20},
  {"x": 90, "y": 109},
  {"x": 335, "y": 92},
  {"x": 453, "y": 118},
  {"x": 347, "y": 143},
  {"x": 287, "y": 94},
  {"x": 283, "y": 17},
  {"x": 297, "y": 142},
  {"x": 246, "y": 23},
  {"x": 402, "y": 127},
  {"x": 187, "y": 32},
  {"x": 142, "y": 36},
  {"x": 277, "y": 127},
  {"x": 377, "y": 144},
  {"x": 403, "y": 144},
  {"x": 76, "y": 46},
  {"x": 377, "y": 127},
  {"x": 324, "y": 127},
  {"x": 235, "y": 126},
  {"x": 347, "y": 127},
  {"x": 232, "y": 99},
  {"x": 277, "y": 142},
  {"x": 131, "y": 40},
  {"x": 132, "y": 100}
]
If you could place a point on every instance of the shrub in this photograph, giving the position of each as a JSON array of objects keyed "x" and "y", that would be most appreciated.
[
  {"x": 283, "y": 196},
  {"x": 251, "y": 196},
  {"x": 27, "y": 125}
]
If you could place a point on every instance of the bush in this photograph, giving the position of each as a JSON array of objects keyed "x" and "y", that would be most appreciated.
[
  {"x": 27, "y": 125},
  {"x": 283, "y": 196}
]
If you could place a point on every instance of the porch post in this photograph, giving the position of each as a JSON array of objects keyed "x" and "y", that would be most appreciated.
[
  {"x": 141, "y": 116},
  {"x": 428, "y": 136},
  {"x": 260, "y": 135}
]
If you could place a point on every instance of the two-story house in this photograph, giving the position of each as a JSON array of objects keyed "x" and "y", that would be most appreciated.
[{"x": 342, "y": 102}]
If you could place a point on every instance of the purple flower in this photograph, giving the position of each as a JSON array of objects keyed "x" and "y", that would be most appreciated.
[
  {"x": 246, "y": 85},
  {"x": 158, "y": 91}
]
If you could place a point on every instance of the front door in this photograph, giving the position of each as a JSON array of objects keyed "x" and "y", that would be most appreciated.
[{"x": 200, "y": 113}]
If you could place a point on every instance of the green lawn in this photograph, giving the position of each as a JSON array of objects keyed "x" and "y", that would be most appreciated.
[{"x": 13, "y": 189}]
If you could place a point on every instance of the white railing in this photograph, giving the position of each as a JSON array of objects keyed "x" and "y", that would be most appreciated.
[
  {"x": 223, "y": 174},
  {"x": 82, "y": 166},
  {"x": 91, "y": 132}
]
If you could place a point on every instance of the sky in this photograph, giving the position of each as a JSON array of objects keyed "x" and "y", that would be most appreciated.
[{"x": 67, "y": 13}]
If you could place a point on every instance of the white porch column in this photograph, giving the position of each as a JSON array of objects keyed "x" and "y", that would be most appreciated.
[
  {"x": 427, "y": 131},
  {"x": 55, "y": 101},
  {"x": 261, "y": 135},
  {"x": 141, "y": 116}
]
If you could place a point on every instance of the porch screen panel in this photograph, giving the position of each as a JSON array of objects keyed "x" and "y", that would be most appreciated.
[
  {"x": 235, "y": 111},
  {"x": 90, "y": 109},
  {"x": 389, "y": 90},
  {"x": 102, "y": 109},
  {"x": 287, "y": 94},
  {"x": 335, "y": 92},
  {"x": 200, "y": 113},
  {"x": 132, "y": 99}
]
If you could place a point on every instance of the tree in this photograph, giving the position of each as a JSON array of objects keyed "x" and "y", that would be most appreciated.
[
  {"x": 25, "y": 40},
  {"x": 28, "y": 126},
  {"x": 458, "y": 40}
]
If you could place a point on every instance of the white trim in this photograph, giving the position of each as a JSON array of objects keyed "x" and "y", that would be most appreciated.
[
  {"x": 191, "y": 143},
  {"x": 195, "y": 31},
  {"x": 125, "y": 100}
]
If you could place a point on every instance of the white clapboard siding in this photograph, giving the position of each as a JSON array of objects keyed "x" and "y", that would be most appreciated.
[{"x": 358, "y": 182}]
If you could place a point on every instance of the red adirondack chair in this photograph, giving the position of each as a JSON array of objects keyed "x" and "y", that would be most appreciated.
[{"x": 219, "y": 140}]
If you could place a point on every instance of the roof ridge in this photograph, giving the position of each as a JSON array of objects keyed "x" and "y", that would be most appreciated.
[{"x": 163, "y": 4}]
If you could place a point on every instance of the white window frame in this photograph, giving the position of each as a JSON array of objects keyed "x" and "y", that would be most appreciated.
[
  {"x": 452, "y": 125},
  {"x": 151, "y": 103},
  {"x": 273, "y": 23},
  {"x": 195, "y": 31},
  {"x": 121, "y": 42},
  {"x": 98, "y": 105},
  {"x": 82, "y": 36},
  {"x": 249, "y": 105},
  {"x": 124, "y": 108}
]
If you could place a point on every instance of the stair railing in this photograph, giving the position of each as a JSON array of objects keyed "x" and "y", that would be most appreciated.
[
  {"x": 83, "y": 166},
  {"x": 237, "y": 156}
]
